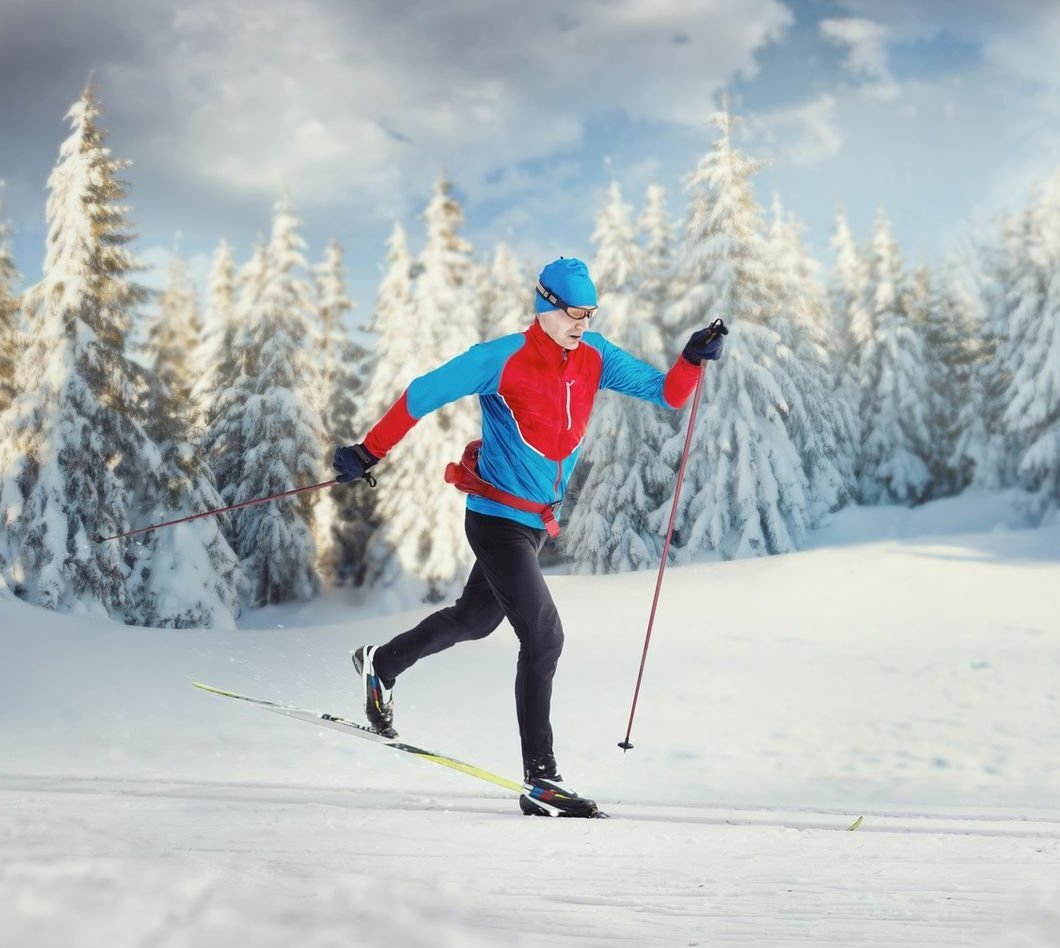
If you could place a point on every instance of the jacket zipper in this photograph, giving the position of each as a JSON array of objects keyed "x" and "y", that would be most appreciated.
[{"x": 567, "y": 383}]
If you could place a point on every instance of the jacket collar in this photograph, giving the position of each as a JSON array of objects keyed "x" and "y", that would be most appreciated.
[{"x": 548, "y": 349}]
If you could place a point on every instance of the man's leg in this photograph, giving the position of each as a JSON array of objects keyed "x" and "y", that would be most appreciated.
[
  {"x": 508, "y": 552},
  {"x": 473, "y": 616}
]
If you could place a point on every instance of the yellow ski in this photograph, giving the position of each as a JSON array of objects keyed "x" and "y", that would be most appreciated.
[{"x": 325, "y": 719}]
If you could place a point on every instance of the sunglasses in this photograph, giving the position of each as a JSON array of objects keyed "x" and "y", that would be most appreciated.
[{"x": 574, "y": 312}]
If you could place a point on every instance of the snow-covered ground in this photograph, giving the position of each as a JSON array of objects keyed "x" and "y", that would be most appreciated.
[{"x": 906, "y": 668}]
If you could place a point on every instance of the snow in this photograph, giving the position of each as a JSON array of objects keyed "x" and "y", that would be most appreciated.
[{"x": 904, "y": 668}]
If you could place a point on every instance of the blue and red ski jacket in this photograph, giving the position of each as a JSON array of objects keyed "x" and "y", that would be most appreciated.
[{"x": 536, "y": 400}]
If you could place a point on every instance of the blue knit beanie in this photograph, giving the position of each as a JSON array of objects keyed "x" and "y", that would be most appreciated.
[{"x": 568, "y": 278}]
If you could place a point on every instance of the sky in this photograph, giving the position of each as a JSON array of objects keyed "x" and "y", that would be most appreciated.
[{"x": 940, "y": 112}]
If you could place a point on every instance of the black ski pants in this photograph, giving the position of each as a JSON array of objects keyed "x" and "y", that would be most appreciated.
[{"x": 505, "y": 582}]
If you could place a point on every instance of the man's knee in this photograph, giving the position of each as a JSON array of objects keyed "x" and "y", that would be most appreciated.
[
  {"x": 475, "y": 619},
  {"x": 545, "y": 640}
]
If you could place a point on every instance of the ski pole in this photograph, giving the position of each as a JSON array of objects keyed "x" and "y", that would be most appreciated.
[
  {"x": 221, "y": 510},
  {"x": 719, "y": 327}
]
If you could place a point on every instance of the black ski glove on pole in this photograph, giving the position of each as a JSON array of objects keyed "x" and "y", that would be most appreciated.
[{"x": 705, "y": 345}]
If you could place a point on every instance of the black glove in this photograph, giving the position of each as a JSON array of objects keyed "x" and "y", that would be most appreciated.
[
  {"x": 352, "y": 463},
  {"x": 705, "y": 345}
]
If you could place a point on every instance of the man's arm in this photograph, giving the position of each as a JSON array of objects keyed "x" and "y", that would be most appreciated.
[
  {"x": 631, "y": 376},
  {"x": 476, "y": 371}
]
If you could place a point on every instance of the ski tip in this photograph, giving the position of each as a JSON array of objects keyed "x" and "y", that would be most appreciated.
[
  {"x": 853, "y": 826},
  {"x": 213, "y": 690}
]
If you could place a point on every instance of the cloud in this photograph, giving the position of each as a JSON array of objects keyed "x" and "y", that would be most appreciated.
[
  {"x": 866, "y": 42},
  {"x": 803, "y": 134},
  {"x": 351, "y": 102}
]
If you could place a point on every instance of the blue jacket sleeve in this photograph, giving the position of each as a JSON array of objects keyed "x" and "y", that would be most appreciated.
[
  {"x": 626, "y": 374},
  {"x": 476, "y": 371}
]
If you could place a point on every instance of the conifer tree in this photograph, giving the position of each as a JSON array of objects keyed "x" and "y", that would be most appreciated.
[
  {"x": 657, "y": 288},
  {"x": 267, "y": 430},
  {"x": 225, "y": 438},
  {"x": 343, "y": 516},
  {"x": 213, "y": 348},
  {"x": 945, "y": 313},
  {"x": 611, "y": 527},
  {"x": 422, "y": 519},
  {"x": 79, "y": 458},
  {"x": 891, "y": 377},
  {"x": 186, "y": 575},
  {"x": 393, "y": 343},
  {"x": 390, "y": 347},
  {"x": 10, "y": 334},
  {"x": 60, "y": 486},
  {"x": 820, "y": 421},
  {"x": 505, "y": 299},
  {"x": 745, "y": 490},
  {"x": 1031, "y": 354},
  {"x": 985, "y": 451},
  {"x": 846, "y": 295},
  {"x": 173, "y": 334}
]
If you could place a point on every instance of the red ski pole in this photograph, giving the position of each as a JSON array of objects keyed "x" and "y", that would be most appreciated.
[
  {"x": 219, "y": 510},
  {"x": 625, "y": 744}
]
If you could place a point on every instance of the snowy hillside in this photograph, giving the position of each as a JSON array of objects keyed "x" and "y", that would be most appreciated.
[{"x": 913, "y": 678}]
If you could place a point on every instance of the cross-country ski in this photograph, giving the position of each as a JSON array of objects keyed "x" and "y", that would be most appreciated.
[{"x": 355, "y": 729}]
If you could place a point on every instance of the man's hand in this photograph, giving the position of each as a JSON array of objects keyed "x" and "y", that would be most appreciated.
[
  {"x": 352, "y": 463},
  {"x": 705, "y": 345}
]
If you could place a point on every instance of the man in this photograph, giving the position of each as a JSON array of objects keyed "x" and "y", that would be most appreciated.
[{"x": 536, "y": 389}]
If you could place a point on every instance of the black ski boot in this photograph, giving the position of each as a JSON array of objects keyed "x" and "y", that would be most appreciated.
[
  {"x": 545, "y": 794},
  {"x": 378, "y": 696}
]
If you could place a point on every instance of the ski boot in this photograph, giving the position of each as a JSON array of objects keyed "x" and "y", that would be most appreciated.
[
  {"x": 378, "y": 695},
  {"x": 545, "y": 794}
]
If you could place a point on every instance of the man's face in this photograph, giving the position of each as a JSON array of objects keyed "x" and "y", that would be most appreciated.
[{"x": 562, "y": 329}]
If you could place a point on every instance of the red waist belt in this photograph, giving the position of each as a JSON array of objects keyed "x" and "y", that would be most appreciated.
[{"x": 464, "y": 476}]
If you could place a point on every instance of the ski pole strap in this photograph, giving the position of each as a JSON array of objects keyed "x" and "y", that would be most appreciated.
[{"x": 464, "y": 476}]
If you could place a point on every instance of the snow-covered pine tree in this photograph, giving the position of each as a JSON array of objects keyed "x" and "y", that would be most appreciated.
[
  {"x": 388, "y": 327},
  {"x": 422, "y": 519},
  {"x": 984, "y": 449},
  {"x": 77, "y": 453},
  {"x": 173, "y": 333},
  {"x": 186, "y": 575},
  {"x": 657, "y": 290},
  {"x": 944, "y": 311},
  {"x": 1031, "y": 354},
  {"x": 891, "y": 377},
  {"x": 963, "y": 294},
  {"x": 267, "y": 429},
  {"x": 71, "y": 423},
  {"x": 846, "y": 295},
  {"x": 10, "y": 334},
  {"x": 390, "y": 348},
  {"x": 213, "y": 348},
  {"x": 505, "y": 301},
  {"x": 820, "y": 421},
  {"x": 611, "y": 528},
  {"x": 745, "y": 492},
  {"x": 224, "y": 441},
  {"x": 343, "y": 516}
]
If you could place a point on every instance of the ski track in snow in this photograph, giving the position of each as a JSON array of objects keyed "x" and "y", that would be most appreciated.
[
  {"x": 913, "y": 680},
  {"x": 191, "y": 862}
]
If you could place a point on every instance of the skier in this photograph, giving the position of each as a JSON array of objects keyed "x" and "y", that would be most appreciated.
[{"x": 536, "y": 389}]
